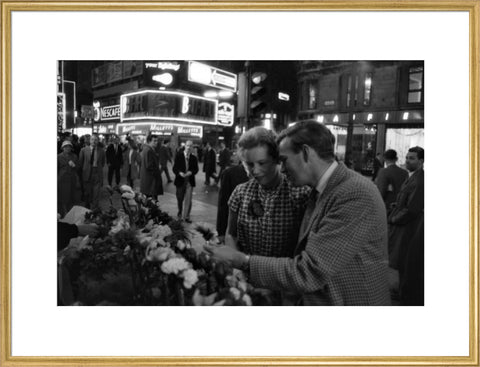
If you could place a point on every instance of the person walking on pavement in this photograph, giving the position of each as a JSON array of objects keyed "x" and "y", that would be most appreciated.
[
  {"x": 92, "y": 160},
  {"x": 185, "y": 168},
  {"x": 341, "y": 253},
  {"x": 209, "y": 164},
  {"x": 406, "y": 240},
  {"x": 114, "y": 160},
  {"x": 150, "y": 177},
  {"x": 134, "y": 161},
  {"x": 165, "y": 156},
  {"x": 223, "y": 160},
  {"x": 390, "y": 179}
]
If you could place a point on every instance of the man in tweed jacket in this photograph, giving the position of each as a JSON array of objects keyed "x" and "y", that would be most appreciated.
[{"x": 341, "y": 255}]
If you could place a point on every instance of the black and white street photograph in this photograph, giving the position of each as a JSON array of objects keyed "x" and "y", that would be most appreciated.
[{"x": 240, "y": 183}]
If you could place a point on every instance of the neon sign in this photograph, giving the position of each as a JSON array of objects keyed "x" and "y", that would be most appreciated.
[
  {"x": 165, "y": 129},
  {"x": 214, "y": 77},
  {"x": 168, "y": 106},
  {"x": 226, "y": 113}
]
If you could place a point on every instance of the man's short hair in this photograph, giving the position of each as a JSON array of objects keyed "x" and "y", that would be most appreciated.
[
  {"x": 420, "y": 152},
  {"x": 259, "y": 136},
  {"x": 312, "y": 133},
  {"x": 390, "y": 155},
  {"x": 150, "y": 137}
]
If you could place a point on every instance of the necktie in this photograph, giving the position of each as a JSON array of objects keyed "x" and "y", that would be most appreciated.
[
  {"x": 312, "y": 202},
  {"x": 186, "y": 163},
  {"x": 92, "y": 157}
]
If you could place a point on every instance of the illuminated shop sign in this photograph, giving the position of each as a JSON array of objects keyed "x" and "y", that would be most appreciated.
[
  {"x": 162, "y": 129},
  {"x": 175, "y": 66},
  {"x": 104, "y": 128},
  {"x": 208, "y": 75},
  {"x": 168, "y": 106},
  {"x": 110, "y": 112},
  {"x": 161, "y": 73},
  {"x": 226, "y": 114},
  {"x": 105, "y": 113}
]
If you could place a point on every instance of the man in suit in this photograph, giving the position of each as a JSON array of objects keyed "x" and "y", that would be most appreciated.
[
  {"x": 231, "y": 178},
  {"x": 114, "y": 160},
  {"x": 185, "y": 169},
  {"x": 341, "y": 253},
  {"x": 150, "y": 177},
  {"x": 390, "y": 179},
  {"x": 92, "y": 160},
  {"x": 406, "y": 240}
]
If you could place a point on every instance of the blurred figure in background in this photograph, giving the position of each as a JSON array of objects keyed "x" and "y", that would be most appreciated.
[
  {"x": 67, "y": 176},
  {"x": 390, "y": 179},
  {"x": 114, "y": 160},
  {"x": 209, "y": 164},
  {"x": 165, "y": 156},
  {"x": 229, "y": 180},
  {"x": 150, "y": 177},
  {"x": 92, "y": 160},
  {"x": 223, "y": 160},
  {"x": 134, "y": 161}
]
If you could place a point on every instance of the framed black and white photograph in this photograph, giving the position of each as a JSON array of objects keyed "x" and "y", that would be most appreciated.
[{"x": 267, "y": 155}]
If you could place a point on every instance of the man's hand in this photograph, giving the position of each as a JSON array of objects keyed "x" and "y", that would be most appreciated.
[
  {"x": 227, "y": 254},
  {"x": 189, "y": 173}
]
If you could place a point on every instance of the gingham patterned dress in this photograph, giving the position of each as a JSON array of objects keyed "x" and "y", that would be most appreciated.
[{"x": 273, "y": 229}]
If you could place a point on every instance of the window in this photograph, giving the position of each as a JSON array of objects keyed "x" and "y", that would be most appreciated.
[
  {"x": 415, "y": 84},
  {"x": 368, "y": 89},
  {"x": 349, "y": 90},
  {"x": 312, "y": 95}
]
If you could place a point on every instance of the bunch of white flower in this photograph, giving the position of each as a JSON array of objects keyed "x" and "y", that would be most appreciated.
[
  {"x": 190, "y": 277},
  {"x": 175, "y": 265},
  {"x": 160, "y": 231},
  {"x": 159, "y": 254}
]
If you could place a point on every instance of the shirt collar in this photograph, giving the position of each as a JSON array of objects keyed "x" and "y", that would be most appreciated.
[{"x": 325, "y": 177}]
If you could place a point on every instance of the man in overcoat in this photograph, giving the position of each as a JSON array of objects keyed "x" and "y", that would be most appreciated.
[
  {"x": 341, "y": 253},
  {"x": 406, "y": 241},
  {"x": 114, "y": 160},
  {"x": 150, "y": 177},
  {"x": 390, "y": 179}
]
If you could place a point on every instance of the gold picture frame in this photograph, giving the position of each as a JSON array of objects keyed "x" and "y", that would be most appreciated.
[{"x": 470, "y": 6}]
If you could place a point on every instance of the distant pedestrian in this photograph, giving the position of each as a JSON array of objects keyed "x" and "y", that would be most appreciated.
[
  {"x": 209, "y": 164},
  {"x": 229, "y": 180},
  {"x": 406, "y": 230},
  {"x": 92, "y": 160},
  {"x": 185, "y": 168},
  {"x": 377, "y": 165},
  {"x": 165, "y": 156},
  {"x": 150, "y": 177},
  {"x": 134, "y": 161},
  {"x": 223, "y": 159},
  {"x": 67, "y": 176},
  {"x": 390, "y": 179},
  {"x": 114, "y": 160}
]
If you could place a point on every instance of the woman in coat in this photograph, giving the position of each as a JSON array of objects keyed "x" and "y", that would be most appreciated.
[{"x": 67, "y": 167}]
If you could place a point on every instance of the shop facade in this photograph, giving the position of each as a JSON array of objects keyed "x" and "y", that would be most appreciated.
[{"x": 369, "y": 106}]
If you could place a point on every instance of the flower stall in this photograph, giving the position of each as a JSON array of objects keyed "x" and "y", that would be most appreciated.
[{"x": 142, "y": 256}]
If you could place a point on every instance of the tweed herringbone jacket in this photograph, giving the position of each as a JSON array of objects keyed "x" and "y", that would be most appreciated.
[{"x": 341, "y": 258}]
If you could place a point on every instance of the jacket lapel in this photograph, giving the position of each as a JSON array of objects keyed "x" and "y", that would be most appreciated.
[{"x": 333, "y": 182}]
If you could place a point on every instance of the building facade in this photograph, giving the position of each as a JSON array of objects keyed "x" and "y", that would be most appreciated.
[{"x": 370, "y": 106}]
